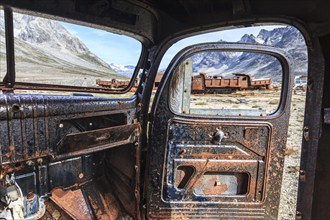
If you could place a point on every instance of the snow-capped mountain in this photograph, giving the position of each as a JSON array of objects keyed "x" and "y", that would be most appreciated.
[
  {"x": 46, "y": 52},
  {"x": 259, "y": 65},
  {"x": 126, "y": 70}
]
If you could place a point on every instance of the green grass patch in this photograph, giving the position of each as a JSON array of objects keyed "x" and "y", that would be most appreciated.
[
  {"x": 200, "y": 103},
  {"x": 273, "y": 102}
]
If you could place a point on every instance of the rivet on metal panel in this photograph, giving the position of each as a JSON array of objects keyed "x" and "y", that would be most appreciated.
[
  {"x": 29, "y": 163},
  {"x": 306, "y": 133},
  {"x": 302, "y": 175},
  {"x": 40, "y": 160}
]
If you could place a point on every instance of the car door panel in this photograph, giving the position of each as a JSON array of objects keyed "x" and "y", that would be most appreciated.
[
  {"x": 216, "y": 166},
  {"x": 234, "y": 156}
]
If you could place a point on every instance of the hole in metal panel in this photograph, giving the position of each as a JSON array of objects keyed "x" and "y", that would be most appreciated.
[{"x": 183, "y": 175}]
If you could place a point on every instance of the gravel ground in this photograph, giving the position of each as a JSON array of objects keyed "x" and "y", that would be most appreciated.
[{"x": 288, "y": 201}]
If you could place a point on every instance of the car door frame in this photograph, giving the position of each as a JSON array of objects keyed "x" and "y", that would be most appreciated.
[{"x": 157, "y": 206}]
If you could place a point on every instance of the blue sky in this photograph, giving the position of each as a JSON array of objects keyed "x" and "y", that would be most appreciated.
[
  {"x": 119, "y": 49},
  {"x": 112, "y": 48}
]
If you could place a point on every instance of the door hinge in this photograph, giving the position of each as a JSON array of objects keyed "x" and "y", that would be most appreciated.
[
  {"x": 306, "y": 133},
  {"x": 302, "y": 175},
  {"x": 298, "y": 215}
]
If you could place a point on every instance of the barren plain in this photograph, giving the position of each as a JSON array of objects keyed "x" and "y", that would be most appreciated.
[{"x": 268, "y": 101}]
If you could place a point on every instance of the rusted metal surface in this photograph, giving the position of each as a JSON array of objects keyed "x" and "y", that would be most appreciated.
[
  {"x": 203, "y": 83},
  {"x": 34, "y": 126},
  {"x": 239, "y": 176},
  {"x": 54, "y": 212},
  {"x": 222, "y": 184},
  {"x": 99, "y": 139},
  {"x": 72, "y": 202},
  {"x": 117, "y": 84},
  {"x": 237, "y": 153},
  {"x": 102, "y": 188},
  {"x": 155, "y": 21},
  {"x": 50, "y": 141},
  {"x": 112, "y": 83},
  {"x": 103, "y": 200}
]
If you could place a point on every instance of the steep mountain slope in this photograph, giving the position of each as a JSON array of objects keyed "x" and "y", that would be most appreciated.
[
  {"x": 45, "y": 52},
  {"x": 226, "y": 63}
]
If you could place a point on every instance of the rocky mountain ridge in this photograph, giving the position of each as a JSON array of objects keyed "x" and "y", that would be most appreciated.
[
  {"x": 226, "y": 63},
  {"x": 46, "y": 52}
]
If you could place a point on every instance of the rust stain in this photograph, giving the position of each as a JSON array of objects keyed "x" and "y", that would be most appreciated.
[
  {"x": 219, "y": 189},
  {"x": 11, "y": 147},
  {"x": 8, "y": 155},
  {"x": 211, "y": 186},
  {"x": 72, "y": 202}
]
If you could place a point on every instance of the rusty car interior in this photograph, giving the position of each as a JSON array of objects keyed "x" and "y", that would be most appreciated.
[{"x": 144, "y": 157}]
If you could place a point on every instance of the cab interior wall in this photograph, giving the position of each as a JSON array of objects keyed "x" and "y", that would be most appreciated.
[
  {"x": 38, "y": 149},
  {"x": 303, "y": 15},
  {"x": 317, "y": 157}
]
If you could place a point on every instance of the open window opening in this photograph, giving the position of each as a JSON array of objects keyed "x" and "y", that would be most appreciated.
[
  {"x": 62, "y": 57},
  {"x": 183, "y": 175}
]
